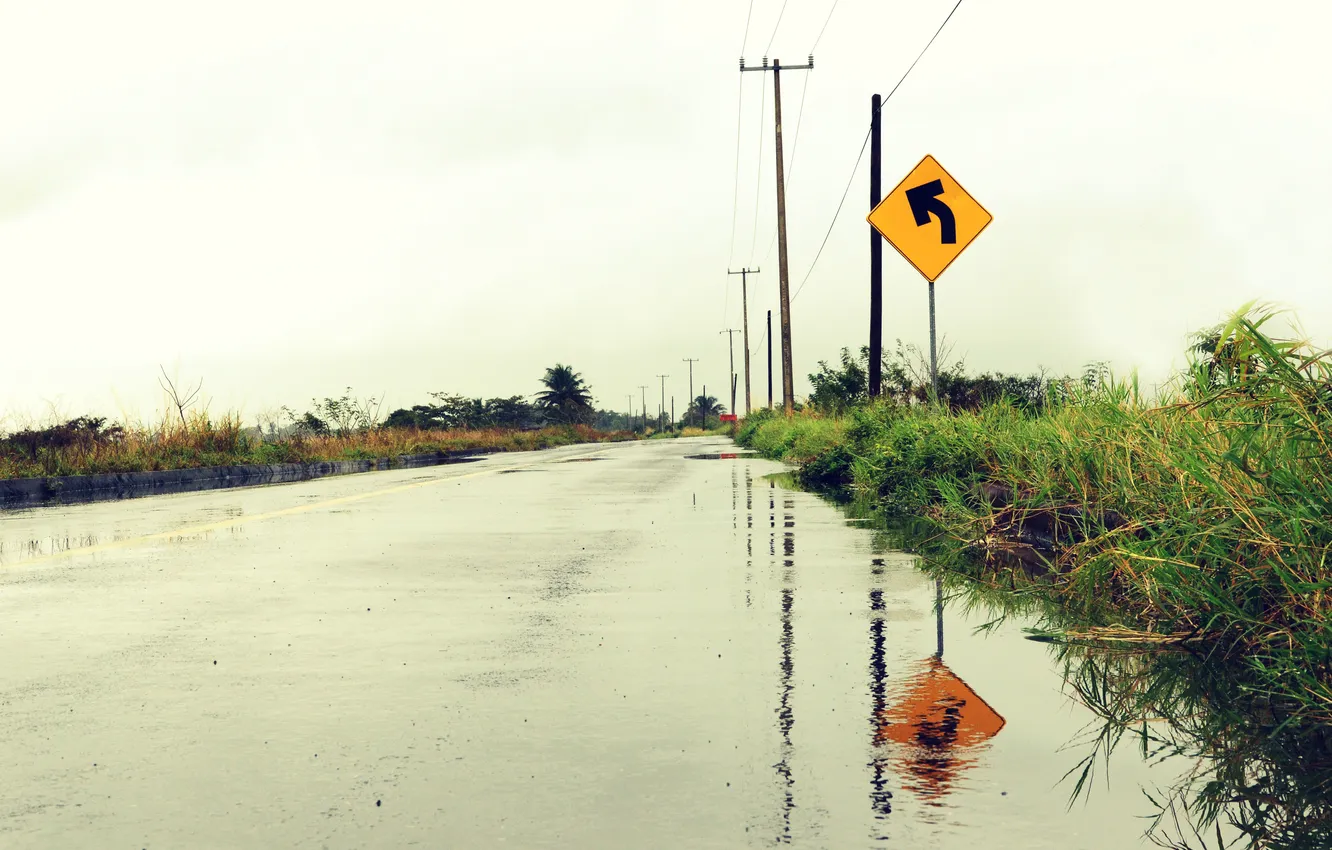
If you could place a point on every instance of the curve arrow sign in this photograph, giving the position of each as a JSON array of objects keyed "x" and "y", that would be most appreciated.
[{"x": 924, "y": 200}]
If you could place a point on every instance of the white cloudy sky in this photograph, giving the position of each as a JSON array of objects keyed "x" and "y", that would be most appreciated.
[{"x": 287, "y": 198}]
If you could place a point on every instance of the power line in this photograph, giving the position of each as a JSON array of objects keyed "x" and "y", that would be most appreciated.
[
  {"x": 864, "y": 144},
  {"x": 825, "y": 25},
  {"x": 745, "y": 42},
  {"x": 758, "y": 177},
  {"x": 775, "y": 28},
  {"x": 735, "y": 198},
  {"x": 735, "y": 195}
]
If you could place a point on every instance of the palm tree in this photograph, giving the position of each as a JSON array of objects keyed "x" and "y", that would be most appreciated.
[
  {"x": 566, "y": 399},
  {"x": 703, "y": 408}
]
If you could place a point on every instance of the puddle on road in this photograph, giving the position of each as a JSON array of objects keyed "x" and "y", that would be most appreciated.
[
  {"x": 1163, "y": 733},
  {"x": 758, "y": 670},
  {"x": 722, "y": 456}
]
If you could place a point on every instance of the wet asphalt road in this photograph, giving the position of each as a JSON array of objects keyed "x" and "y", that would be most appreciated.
[{"x": 590, "y": 647}]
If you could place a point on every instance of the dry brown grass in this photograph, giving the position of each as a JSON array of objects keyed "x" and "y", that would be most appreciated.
[{"x": 203, "y": 441}]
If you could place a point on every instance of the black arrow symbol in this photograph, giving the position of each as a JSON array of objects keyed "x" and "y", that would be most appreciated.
[{"x": 924, "y": 200}]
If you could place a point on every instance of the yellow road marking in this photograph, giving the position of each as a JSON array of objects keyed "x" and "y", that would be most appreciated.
[{"x": 292, "y": 511}]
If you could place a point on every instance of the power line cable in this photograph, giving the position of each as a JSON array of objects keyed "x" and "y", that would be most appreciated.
[
  {"x": 775, "y": 28},
  {"x": 735, "y": 197},
  {"x": 825, "y": 26},
  {"x": 758, "y": 178},
  {"x": 865, "y": 144},
  {"x": 750, "y": 15}
]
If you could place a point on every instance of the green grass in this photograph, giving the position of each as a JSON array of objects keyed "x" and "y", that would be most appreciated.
[{"x": 206, "y": 442}]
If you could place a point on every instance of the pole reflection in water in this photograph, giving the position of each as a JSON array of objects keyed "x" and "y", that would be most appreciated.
[
  {"x": 880, "y": 797},
  {"x": 749, "y": 536},
  {"x": 785, "y": 712},
  {"x": 935, "y": 727}
]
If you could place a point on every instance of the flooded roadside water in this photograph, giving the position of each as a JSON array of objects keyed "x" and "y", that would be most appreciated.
[{"x": 647, "y": 651}]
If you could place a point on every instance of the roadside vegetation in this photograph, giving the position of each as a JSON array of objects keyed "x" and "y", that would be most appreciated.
[
  {"x": 346, "y": 428},
  {"x": 1194, "y": 524}
]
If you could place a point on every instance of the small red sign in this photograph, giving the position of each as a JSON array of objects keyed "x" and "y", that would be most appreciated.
[{"x": 728, "y": 417}]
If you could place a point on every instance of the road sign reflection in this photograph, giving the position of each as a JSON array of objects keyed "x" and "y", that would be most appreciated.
[{"x": 931, "y": 729}]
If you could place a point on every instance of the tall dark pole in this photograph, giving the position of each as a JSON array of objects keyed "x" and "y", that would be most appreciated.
[
  {"x": 784, "y": 280},
  {"x": 770, "y": 360},
  {"x": 788, "y": 385},
  {"x": 643, "y": 391},
  {"x": 876, "y": 254}
]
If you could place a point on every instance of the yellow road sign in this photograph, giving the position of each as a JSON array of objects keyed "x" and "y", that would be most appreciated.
[{"x": 929, "y": 218}]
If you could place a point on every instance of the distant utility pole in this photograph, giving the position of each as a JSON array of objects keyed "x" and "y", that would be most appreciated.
[
  {"x": 730, "y": 338},
  {"x": 643, "y": 392},
  {"x": 788, "y": 383},
  {"x": 876, "y": 253},
  {"x": 663, "y": 398},
  {"x": 744, "y": 303},
  {"x": 691, "y": 361},
  {"x": 672, "y": 411},
  {"x": 631, "y": 411},
  {"x": 770, "y": 360}
]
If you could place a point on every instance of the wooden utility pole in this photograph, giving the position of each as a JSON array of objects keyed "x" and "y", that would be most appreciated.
[
  {"x": 730, "y": 338},
  {"x": 876, "y": 254},
  {"x": 643, "y": 392},
  {"x": 631, "y": 411},
  {"x": 770, "y": 360},
  {"x": 691, "y": 361},
  {"x": 744, "y": 303},
  {"x": 788, "y": 382},
  {"x": 663, "y": 400}
]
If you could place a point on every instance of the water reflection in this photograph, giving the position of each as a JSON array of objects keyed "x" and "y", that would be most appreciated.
[
  {"x": 785, "y": 714},
  {"x": 931, "y": 728},
  {"x": 881, "y": 799},
  {"x": 786, "y": 639},
  {"x": 1262, "y": 771}
]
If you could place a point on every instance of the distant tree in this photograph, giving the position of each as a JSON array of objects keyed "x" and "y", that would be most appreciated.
[
  {"x": 702, "y": 409},
  {"x": 341, "y": 416},
  {"x": 837, "y": 389},
  {"x": 566, "y": 399},
  {"x": 514, "y": 412}
]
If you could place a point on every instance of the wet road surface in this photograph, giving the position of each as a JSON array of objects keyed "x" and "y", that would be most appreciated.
[{"x": 589, "y": 647}]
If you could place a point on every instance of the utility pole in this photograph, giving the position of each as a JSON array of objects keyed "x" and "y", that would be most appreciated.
[
  {"x": 643, "y": 392},
  {"x": 631, "y": 411},
  {"x": 876, "y": 253},
  {"x": 770, "y": 360},
  {"x": 788, "y": 382},
  {"x": 744, "y": 303},
  {"x": 691, "y": 361},
  {"x": 672, "y": 411},
  {"x": 730, "y": 338},
  {"x": 663, "y": 398}
]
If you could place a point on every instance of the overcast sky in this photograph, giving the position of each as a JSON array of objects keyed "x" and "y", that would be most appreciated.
[{"x": 287, "y": 198}]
